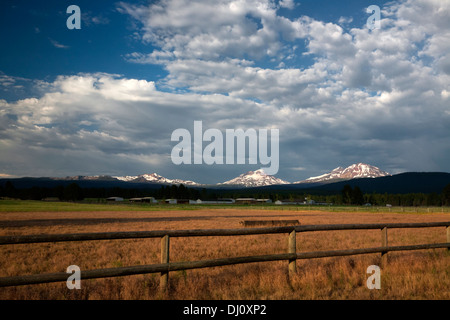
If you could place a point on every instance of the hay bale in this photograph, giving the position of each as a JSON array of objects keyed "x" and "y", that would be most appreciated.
[{"x": 271, "y": 223}]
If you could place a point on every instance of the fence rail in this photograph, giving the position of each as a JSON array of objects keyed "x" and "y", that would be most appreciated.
[
  {"x": 207, "y": 232},
  {"x": 165, "y": 266}
]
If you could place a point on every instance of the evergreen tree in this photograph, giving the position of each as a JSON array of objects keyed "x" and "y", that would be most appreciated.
[
  {"x": 357, "y": 196},
  {"x": 10, "y": 190},
  {"x": 182, "y": 192},
  {"x": 446, "y": 195},
  {"x": 347, "y": 193},
  {"x": 73, "y": 192}
]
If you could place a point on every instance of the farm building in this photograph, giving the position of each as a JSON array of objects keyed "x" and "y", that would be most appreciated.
[
  {"x": 263, "y": 200},
  {"x": 246, "y": 200},
  {"x": 218, "y": 201},
  {"x": 144, "y": 200},
  {"x": 114, "y": 199},
  {"x": 177, "y": 201},
  {"x": 226, "y": 200},
  {"x": 293, "y": 201},
  {"x": 301, "y": 202}
]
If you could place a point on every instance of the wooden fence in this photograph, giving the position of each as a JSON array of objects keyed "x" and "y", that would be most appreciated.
[{"x": 165, "y": 266}]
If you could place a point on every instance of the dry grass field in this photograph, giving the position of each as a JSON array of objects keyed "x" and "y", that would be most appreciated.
[{"x": 423, "y": 274}]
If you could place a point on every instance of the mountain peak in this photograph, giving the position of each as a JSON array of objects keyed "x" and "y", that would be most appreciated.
[
  {"x": 255, "y": 178},
  {"x": 156, "y": 178},
  {"x": 363, "y": 170},
  {"x": 354, "y": 171}
]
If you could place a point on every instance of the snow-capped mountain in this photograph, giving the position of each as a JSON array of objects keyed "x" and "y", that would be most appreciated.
[
  {"x": 81, "y": 178},
  {"x": 256, "y": 178},
  {"x": 156, "y": 178},
  {"x": 358, "y": 170},
  {"x": 362, "y": 170},
  {"x": 333, "y": 175}
]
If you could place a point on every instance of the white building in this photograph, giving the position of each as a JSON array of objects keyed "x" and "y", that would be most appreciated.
[{"x": 114, "y": 199}]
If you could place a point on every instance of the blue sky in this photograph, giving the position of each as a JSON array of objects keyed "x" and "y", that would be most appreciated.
[
  {"x": 105, "y": 99},
  {"x": 41, "y": 47}
]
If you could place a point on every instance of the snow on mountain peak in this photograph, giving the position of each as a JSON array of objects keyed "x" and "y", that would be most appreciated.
[
  {"x": 354, "y": 171},
  {"x": 156, "y": 178},
  {"x": 255, "y": 178},
  {"x": 362, "y": 170},
  {"x": 259, "y": 178},
  {"x": 125, "y": 178}
]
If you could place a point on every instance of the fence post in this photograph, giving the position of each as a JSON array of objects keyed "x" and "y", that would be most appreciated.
[
  {"x": 448, "y": 237},
  {"x": 164, "y": 279},
  {"x": 384, "y": 243},
  {"x": 292, "y": 248}
]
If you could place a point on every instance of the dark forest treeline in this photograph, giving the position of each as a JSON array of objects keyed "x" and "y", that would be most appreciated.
[
  {"x": 73, "y": 192},
  {"x": 347, "y": 196}
]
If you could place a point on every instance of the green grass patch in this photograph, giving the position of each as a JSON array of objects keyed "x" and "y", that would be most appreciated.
[
  {"x": 37, "y": 206},
  {"x": 90, "y": 205}
]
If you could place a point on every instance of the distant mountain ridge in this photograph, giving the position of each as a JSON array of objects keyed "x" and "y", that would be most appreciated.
[
  {"x": 257, "y": 178},
  {"x": 407, "y": 182},
  {"x": 156, "y": 178},
  {"x": 354, "y": 171}
]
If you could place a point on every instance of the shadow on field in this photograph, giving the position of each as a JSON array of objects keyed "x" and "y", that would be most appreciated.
[{"x": 93, "y": 221}]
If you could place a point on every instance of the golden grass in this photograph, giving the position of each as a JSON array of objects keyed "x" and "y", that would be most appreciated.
[{"x": 423, "y": 274}]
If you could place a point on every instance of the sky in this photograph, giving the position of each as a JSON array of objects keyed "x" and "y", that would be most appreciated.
[{"x": 105, "y": 99}]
